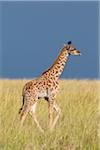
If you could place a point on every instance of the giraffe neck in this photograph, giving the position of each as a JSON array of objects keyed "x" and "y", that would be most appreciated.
[{"x": 57, "y": 67}]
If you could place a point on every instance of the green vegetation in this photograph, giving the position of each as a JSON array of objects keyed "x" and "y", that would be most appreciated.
[{"x": 77, "y": 128}]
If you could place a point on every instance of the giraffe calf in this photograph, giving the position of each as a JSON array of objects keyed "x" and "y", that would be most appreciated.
[{"x": 46, "y": 86}]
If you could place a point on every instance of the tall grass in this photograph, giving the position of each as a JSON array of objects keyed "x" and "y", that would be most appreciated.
[{"x": 77, "y": 128}]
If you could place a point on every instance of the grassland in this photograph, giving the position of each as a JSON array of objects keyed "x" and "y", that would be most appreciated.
[{"x": 77, "y": 128}]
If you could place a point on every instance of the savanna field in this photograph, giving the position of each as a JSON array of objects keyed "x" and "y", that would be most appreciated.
[{"x": 77, "y": 128}]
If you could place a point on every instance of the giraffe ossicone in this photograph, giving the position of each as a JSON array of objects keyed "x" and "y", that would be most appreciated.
[{"x": 69, "y": 42}]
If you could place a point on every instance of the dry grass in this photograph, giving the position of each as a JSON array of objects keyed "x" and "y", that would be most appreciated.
[{"x": 77, "y": 128}]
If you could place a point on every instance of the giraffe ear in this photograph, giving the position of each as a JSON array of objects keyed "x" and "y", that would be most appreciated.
[{"x": 69, "y": 42}]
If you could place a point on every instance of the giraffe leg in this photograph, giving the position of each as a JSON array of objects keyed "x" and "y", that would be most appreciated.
[
  {"x": 57, "y": 109},
  {"x": 32, "y": 113},
  {"x": 50, "y": 113}
]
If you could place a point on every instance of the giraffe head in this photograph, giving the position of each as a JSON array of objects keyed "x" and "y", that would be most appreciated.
[{"x": 71, "y": 49}]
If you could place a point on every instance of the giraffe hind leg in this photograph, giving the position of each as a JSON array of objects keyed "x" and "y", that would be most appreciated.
[
  {"x": 23, "y": 113},
  {"x": 50, "y": 114},
  {"x": 58, "y": 111},
  {"x": 32, "y": 113}
]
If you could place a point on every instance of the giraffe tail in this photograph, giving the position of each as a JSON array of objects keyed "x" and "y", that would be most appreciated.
[
  {"x": 20, "y": 110},
  {"x": 22, "y": 106},
  {"x": 23, "y": 110}
]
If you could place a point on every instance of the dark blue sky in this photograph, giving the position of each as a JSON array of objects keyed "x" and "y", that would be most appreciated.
[{"x": 34, "y": 32}]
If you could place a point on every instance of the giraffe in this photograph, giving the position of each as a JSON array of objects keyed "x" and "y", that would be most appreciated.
[{"x": 46, "y": 86}]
